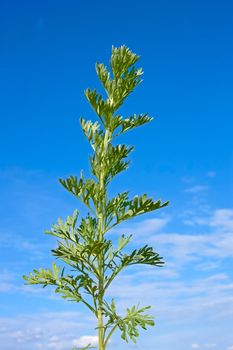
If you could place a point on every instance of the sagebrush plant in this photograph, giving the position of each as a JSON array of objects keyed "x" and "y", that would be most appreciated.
[{"x": 83, "y": 244}]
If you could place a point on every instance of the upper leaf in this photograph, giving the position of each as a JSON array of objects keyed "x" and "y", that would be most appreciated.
[
  {"x": 118, "y": 261},
  {"x": 133, "y": 122},
  {"x": 121, "y": 60},
  {"x": 88, "y": 191},
  {"x": 121, "y": 208},
  {"x": 93, "y": 134},
  {"x": 65, "y": 229},
  {"x": 125, "y": 79},
  {"x": 145, "y": 255},
  {"x": 104, "y": 109}
]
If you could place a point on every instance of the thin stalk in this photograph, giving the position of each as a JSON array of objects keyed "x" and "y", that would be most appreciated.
[
  {"x": 112, "y": 277},
  {"x": 100, "y": 280},
  {"x": 89, "y": 306},
  {"x": 100, "y": 259},
  {"x": 100, "y": 298},
  {"x": 109, "y": 335}
]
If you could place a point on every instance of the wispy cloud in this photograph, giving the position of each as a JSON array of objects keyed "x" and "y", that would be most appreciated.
[
  {"x": 6, "y": 281},
  {"x": 85, "y": 340},
  {"x": 211, "y": 173},
  {"x": 194, "y": 285},
  {"x": 197, "y": 189},
  {"x": 57, "y": 330},
  {"x": 222, "y": 219},
  {"x": 144, "y": 228}
]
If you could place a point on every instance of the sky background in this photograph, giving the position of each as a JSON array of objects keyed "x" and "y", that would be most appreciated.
[{"x": 48, "y": 50}]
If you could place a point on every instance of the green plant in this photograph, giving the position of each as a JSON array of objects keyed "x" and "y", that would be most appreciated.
[{"x": 84, "y": 246}]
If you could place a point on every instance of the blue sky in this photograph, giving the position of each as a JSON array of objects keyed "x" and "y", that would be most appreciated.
[{"x": 48, "y": 51}]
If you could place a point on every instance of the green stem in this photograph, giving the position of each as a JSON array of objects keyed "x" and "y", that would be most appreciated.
[
  {"x": 100, "y": 282},
  {"x": 100, "y": 302},
  {"x": 112, "y": 277},
  {"x": 89, "y": 306},
  {"x": 100, "y": 259},
  {"x": 109, "y": 335}
]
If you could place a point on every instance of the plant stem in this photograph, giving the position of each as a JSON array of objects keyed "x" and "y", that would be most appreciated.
[
  {"x": 100, "y": 259},
  {"x": 100, "y": 285},
  {"x": 100, "y": 296},
  {"x": 109, "y": 335}
]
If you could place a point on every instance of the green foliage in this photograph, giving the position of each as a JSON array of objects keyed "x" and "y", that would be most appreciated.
[
  {"x": 129, "y": 324},
  {"x": 82, "y": 244}
]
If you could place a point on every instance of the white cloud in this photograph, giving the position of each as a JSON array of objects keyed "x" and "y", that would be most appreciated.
[
  {"x": 196, "y": 189},
  {"x": 208, "y": 296},
  {"x": 215, "y": 242},
  {"x": 22, "y": 336},
  {"x": 184, "y": 248},
  {"x": 210, "y": 346},
  {"x": 185, "y": 298},
  {"x": 54, "y": 330},
  {"x": 85, "y": 340},
  {"x": 188, "y": 179},
  {"x": 184, "y": 294},
  {"x": 223, "y": 219},
  {"x": 195, "y": 346},
  {"x": 211, "y": 173},
  {"x": 182, "y": 301},
  {"x": 6, "y": 287},
  {"x": 220, "y": 219},
  {"x": 144, "y": 228},
  {"x": 35, "y": 250},
  {"x": 6, "y": 281}
]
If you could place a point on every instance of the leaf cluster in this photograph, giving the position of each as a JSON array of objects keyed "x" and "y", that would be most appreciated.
[{"x": 128, "y": 325}]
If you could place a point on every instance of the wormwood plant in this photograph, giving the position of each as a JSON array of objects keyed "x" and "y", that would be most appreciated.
[{"x": 83, "y": 243}]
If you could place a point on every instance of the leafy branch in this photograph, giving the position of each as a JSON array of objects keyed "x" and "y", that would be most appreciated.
[
  {"x": 67, "y": 285},
  {"x": 129, "y": 324}
]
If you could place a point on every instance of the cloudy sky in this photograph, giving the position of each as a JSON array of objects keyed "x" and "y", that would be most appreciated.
[{"x": 48, "y": 51}]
